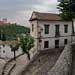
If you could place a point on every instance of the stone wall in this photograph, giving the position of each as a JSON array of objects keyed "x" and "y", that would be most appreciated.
[{"x": 63, "y": 64}]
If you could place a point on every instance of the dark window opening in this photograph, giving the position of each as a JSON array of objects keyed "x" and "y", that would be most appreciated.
[
  {"x": 40, "y": 40},
  {"x": 65, "y": 41},
  {"x": 46, "y": 27},
  {"x": 3, "y": 45},
  {"x": 56, "y": 29},
  {"x": 32, "y": 27},
  {"x": 65, "y": 28},
  {"x": 3, "y": 51},
  {"x": 56, "y": 43},
  {"x": 46, "y": 44}
]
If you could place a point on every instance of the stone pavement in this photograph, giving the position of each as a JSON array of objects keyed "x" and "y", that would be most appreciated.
[
  {"x": 2, "y": 63},
  {"x": 73, "y": 70},
  {"x": 21, "y": 62},
  {"x": 42, "y": 64},
  {"x": 64, "y": 63}
]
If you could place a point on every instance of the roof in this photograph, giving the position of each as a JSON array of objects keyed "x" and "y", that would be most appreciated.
[
  {"x": 44, "y": 16},
  {"x": 8, "y": 42}
]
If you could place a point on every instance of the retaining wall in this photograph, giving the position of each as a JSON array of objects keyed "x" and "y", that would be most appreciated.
[{"x": 64, "y": 62}]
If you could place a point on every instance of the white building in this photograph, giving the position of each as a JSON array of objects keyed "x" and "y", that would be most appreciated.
[
  {"x": 5, "y": 49},
  {"x": 49, "y": 31}
]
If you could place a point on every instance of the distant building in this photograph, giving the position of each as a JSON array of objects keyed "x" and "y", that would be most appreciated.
[
  {"x": 3, "y": 21},
  {"x": 6, "y": 51},
  {"x": 49, "y": 31}
]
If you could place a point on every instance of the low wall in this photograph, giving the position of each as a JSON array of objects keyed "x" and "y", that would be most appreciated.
[{"x": 64, "y": 62}]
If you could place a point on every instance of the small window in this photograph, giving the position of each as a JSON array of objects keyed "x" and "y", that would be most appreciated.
[
  {"x": 46, "y": 44},
  {"x": 3, "y": 45},
  {"x": 32, "y": 27},
  {"x": 57, "y": 29},
  {"x": 46, "y": 27},
  {"x": 65, "y": 28},
  {"x": 40, "y": 40},
  {"x": 11, "y": 46},
  {"x": 56, "y": 43},
  {"x": 3, "y": 51},
  {"x": 65, "y": 41}
]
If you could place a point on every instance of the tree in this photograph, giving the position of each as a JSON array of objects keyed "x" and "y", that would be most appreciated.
[
  {"x": 26, "y": 44},
  {"x": 14, "y": 49},
  {"x": 3, "y": 37},
  {"x": 67, "y": 9},
  {"x": 11, "y": 30}
]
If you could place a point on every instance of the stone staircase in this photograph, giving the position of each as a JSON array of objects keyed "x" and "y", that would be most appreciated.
[{"x": 8, "y": 67}]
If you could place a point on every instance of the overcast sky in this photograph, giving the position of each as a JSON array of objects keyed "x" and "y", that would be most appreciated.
[{"x": 20, "y": 10}]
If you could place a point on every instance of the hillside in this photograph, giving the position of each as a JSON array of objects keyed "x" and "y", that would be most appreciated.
[{"x": 12, "y": 30}]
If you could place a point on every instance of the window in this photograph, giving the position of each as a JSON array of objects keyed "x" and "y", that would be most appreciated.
[
  {"x": 65, "y": 41},
  {"x": 46, "y": 44},
  {"x": 40, "y": 40},
  {"x": 32, "y": 27},
  {"x": 57, "y": 29},
  {"x": 3, "y": 45},
  {"x": 46, "y": 27},
  {"x": 3, "y": 51},
  {"x": 65, "y": 28},
  {"x": 56, "y": 43}
]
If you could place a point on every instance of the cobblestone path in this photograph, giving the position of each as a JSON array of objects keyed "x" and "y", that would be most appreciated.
[{"x": 42, "y": 64}]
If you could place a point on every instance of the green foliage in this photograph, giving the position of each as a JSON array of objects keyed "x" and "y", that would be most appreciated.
[
  {"x": 12, "y": 30},
  {"x": 14, "y": 48},
  {"x": 67, "y": 9},
  {"x": 3, "y": 38},
  {"x": 26, "y": 44}
]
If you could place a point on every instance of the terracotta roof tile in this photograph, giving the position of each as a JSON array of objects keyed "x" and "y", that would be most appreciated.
[{"x": 45, "y": 16}]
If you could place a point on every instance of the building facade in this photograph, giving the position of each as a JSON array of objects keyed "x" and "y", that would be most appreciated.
[
  {"x": 49, "y": 31},
  {"x": 6, "y": 51}
]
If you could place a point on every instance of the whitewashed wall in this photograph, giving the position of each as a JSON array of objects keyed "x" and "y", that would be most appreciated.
[
  {"x": 51, "y": 36},
  {"x": 5, "y": 52},
  {"x": 52, "y": 42},
  {"x": 34, "y": 33},
  {"x": 52, "y": 28},
  {"x": 73, "y": 38}
]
